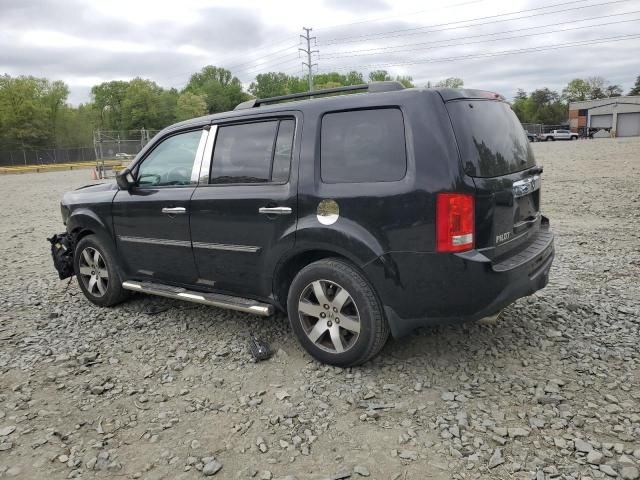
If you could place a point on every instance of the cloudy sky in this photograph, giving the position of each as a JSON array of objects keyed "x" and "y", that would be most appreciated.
[{"x": 494, "y": 45}]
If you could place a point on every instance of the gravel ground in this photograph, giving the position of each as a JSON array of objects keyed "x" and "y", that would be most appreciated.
[{"x": 549, "y": 390}]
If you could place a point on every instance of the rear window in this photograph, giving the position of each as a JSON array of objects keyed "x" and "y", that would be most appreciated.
[
  {"x": 363, "y": 146},
  {"x": 491, "y": 139}
]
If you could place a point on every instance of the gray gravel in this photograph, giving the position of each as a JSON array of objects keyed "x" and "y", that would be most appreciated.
[{"x": 549, "y": 390}]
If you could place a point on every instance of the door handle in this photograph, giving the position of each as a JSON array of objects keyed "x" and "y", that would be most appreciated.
[
  {"x": 275, "y": 210},
  {"x": 174, "y": 210}
]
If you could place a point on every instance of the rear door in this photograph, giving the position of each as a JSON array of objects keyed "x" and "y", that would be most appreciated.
[
  {"x": 243, "y": 215},
  {"x": 496, "y": 153}
]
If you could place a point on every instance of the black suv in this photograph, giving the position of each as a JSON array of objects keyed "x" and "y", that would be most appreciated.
[{"x": 359, "y": 215}]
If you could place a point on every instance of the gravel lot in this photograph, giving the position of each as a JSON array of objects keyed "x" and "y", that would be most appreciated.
[{"x": 549, "y": 390}]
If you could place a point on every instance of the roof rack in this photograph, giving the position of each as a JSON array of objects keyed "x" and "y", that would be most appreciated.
[{"x": 373, "y": 87}]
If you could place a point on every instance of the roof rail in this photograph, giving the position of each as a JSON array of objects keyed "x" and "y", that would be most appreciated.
[{"x": 373, "y": 87}]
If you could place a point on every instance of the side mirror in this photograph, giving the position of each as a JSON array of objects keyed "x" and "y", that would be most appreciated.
[{"x": 125, "y": 179}]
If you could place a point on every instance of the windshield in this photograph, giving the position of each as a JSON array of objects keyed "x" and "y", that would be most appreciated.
[{"x": 491, "y": 139}]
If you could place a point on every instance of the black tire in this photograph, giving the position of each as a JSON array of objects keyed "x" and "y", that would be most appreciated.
[
  {"x": 113, "y": 292},
  {"x": 548, "y": 139},
  {"x": 338, "y": 275}
]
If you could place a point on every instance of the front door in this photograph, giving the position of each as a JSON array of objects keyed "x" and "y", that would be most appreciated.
[
  {"x": 151, "y": 220},
  {"x": 243, "y": 218}
]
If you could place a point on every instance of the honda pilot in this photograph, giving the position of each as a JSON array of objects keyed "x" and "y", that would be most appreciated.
[{"x": 360, "y": 211}]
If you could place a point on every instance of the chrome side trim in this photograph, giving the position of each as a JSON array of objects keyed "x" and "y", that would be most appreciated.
[
  {"x": 197, "y": 164},
  {"x": 223, "y": 301},
  {"x": 526, "y": 186},
  {"x": 205, "y": 165},
  {"x": 222, "y": 246},
  {"x": 155, "y": 241}
]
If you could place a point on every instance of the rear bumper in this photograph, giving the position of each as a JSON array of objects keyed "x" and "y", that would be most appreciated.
[{"x": 421, "y": 289}]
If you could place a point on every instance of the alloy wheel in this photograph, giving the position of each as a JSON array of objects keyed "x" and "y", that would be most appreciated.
[
  {"x": 329, "y": 316},
  {"x": 93, "y": 272}
]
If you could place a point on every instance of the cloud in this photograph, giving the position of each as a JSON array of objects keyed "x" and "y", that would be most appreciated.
[
  {"x": 84, "y": 42},
  {"x": 357, "y": 6}
]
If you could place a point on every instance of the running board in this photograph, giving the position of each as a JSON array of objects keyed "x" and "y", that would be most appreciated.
[{"x": 213, "y": 299}]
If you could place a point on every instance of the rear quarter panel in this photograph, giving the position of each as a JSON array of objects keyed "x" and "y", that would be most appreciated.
[{"x": 381, "y": 217}]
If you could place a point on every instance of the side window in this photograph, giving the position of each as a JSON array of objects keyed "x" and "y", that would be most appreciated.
[
  {"x": 282, "y": 154},
  {"x": 363, "y": 146},
  {"x": 171, "y": 162},
  {"x": 257, "y": 152}
]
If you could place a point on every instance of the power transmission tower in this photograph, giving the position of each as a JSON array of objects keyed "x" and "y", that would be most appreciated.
[{"x": 309, "y": 53}]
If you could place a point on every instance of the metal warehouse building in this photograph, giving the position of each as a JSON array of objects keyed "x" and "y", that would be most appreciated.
[{"x": 620, "y": 115}]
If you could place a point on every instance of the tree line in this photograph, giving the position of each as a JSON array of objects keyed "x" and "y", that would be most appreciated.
[{"x": 34, "y": 112}]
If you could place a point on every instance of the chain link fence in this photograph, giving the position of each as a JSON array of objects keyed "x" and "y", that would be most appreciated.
[
  {"x": 107, "y": 145},
  {"x": 110, "y": 144},
  {"x": 46, "y": 156}
]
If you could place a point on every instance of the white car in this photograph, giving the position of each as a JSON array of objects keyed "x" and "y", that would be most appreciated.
[{"x": 558, "y": 135}]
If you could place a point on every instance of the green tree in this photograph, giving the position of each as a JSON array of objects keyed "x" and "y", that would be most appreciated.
[
  {"x": 107, "y": 100},
  {"x": 407, "y": 81},
  {"x": 635, "y": 90},
  {"x": 272, "y": 84},
  {"x": 379, "y": 76},
  {"x": 29, "y": 111},
  {"x": 142, "y": 106},
  {"x": 451, "y": 82},
  {"x": 190, "y": 105},
  {"x": 576, "y": 90},
  {"x": 220, "y": 89},
  {"x": 540, "y": 106}
]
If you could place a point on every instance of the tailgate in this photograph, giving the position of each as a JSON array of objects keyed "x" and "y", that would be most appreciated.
[
  {"x": 496, "y": 153},
  {"x": 507, "y": 211}
]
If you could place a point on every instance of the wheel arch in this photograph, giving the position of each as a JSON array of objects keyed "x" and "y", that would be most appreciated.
[
  {"x": 83, "y": 222},
  {"x": 288, "y": 268}
]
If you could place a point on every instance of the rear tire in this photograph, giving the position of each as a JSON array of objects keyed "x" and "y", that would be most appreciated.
[
  {"x": 336, "y": 314},
  {"x": 97, "y": 272}
]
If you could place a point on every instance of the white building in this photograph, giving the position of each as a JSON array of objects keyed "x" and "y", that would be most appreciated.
[{"x": 619, "y": 114}]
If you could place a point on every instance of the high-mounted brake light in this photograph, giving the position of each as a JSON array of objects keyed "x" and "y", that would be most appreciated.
[{"x": 455, "y": 224}]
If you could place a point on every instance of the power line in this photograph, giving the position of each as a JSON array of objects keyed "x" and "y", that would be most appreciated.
[
  {"x": 485, "y": 34},
  {"x": 433, "y": 44},
  {"x": 262, "y": 57},
  {"x": 390, "y": 34},
  {"x": 330, "y": 27},
  {"x": 279, "y": 61},
  {"x": 493, "y": 54}
]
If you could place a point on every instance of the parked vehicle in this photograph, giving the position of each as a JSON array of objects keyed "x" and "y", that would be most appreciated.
[
  {"x": 358, "y": 215},
  {"x": 532, "y": 137},
  {"x": 558, "y": 135}
]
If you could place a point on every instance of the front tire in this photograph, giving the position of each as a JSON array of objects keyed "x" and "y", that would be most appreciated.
[
  {"x": 336, "y": 314},
  {"x": 97, "y": 272}
]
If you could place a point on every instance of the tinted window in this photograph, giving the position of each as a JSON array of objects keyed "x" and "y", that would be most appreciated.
[
  {"x": 243, "y": 153},
  {"x": 282, "y": 154},
  {"x": 491, "y": 139},
  {"x": 252, "y": 153},
  {"x": 171, "y": 162},
  {"x": 363, "y": 146}
]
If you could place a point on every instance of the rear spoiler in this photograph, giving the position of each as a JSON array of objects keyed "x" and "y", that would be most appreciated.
[{"x": 449, "y": 94}]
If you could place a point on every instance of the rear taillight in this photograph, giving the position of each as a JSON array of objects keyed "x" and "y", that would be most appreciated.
[{"x": 455, "y": 225}]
